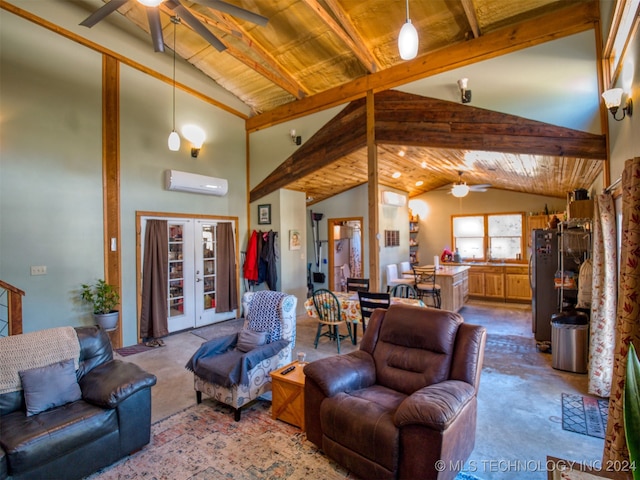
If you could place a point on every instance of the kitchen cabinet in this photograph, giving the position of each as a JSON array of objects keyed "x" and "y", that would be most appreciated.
[
  {"x": 499, "y": 282},
  {"x": 494, "y": 283},
  {"x": 517, "y": 284}
]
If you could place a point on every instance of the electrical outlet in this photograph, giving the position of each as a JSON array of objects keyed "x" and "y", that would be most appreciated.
[{"x": 39, "y": 270}]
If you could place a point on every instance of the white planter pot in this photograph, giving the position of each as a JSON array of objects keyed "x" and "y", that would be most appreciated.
[{"x": 108, "y": 321}]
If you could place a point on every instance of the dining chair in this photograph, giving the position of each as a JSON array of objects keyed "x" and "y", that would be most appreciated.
[
  {"x": 369, "y": 301},
  {"x": 404, "y": 268},
  {"x": 404, "y": 291},
  {"x": 393, "y": 279},
  {"x": 328, "y": 308},
  {"x": 425, "y": 284},
  {"x": 357, "y": 284}
]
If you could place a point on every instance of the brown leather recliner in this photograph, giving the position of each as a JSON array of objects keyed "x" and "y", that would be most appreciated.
[{"x": 405, "y": 400}]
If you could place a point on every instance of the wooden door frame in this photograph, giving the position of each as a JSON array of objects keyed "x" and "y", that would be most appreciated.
[
  {"x": 140, "y": 240},
  {"x": 331, "y": 222}
]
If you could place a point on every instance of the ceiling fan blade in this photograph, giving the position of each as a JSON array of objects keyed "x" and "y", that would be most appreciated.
[
  {"x": 481, "y": 187},
  {"x": 195, "y": 24},
  {"x": 155, "y": 26},
  {"x": 102, "y": 12},
  {"x": 235, "y": 11}
]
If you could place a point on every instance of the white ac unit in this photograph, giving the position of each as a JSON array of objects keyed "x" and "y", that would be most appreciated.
[
  {"x": 394, "y": 199},
  {"x": 192, "y": 182}
]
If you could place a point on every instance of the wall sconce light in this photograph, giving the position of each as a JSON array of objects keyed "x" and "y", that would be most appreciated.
[
  {"x": 196, "y": 136},
  {"x": 464, "y": 92},
  {"x": 297, "y": 140},
  {"x": 613, "y": 100}
]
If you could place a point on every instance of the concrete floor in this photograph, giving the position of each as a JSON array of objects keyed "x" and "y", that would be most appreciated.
[{"x": 520, "y": 404}]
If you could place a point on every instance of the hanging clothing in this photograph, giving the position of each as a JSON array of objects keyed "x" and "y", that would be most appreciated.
[
  {"x": 250, "y": 269},
  {"x": 270, "y": 257}
]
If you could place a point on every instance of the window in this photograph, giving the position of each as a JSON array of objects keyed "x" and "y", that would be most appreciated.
[{"x": 489, "y": 237}]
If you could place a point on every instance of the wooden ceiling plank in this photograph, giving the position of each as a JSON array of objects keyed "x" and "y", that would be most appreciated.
[
  {"x": 278, "y": 74},
  {"x": 567, "y": 21}
]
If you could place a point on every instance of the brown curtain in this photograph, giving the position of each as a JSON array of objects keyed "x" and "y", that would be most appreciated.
[
  {"x": 153, "y": 318},
  {"x": 628, "y": 315},
  {"x": 226, "y": 281}
]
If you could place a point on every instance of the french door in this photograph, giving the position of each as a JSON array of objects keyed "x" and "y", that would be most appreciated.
[{"x": 192, "y": 273}]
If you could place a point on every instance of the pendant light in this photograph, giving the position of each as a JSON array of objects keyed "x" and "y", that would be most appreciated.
[
  {"x": 174, "y": 138},
  {"x": 408, "y": 39}
]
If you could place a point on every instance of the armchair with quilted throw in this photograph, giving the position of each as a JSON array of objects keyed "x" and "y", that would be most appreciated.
[
  {"x": 234, "y": 369},
  {"x": 405, "y": 400}
]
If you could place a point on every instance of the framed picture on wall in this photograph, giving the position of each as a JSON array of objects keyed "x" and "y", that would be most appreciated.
[
  {"x": 294, "y": 239},
  {"x": 264, "y": 214}
]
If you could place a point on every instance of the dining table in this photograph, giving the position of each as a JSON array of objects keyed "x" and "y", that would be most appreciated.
[{"x": 350, "y": 308}]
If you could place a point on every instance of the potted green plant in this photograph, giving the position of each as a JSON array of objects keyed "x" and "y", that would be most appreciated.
[
  {"x": 631, "y": 410},
  {"x": 104, "y": 298}
]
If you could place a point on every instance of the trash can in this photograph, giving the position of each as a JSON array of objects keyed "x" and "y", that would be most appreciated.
[{"x": 570, "y": 341}]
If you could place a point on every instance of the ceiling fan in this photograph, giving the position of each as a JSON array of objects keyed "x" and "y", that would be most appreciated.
[
  {"x": 153, "y": 16},
  {"x": 461, "y": 189}
]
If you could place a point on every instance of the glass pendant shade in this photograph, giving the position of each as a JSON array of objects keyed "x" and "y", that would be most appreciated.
[
  {"x": 612, "y": 98},
  {"x": 460, "y": 190},
  {"x": 408, "y": 41},
  {"x": 174, "y": 141}
]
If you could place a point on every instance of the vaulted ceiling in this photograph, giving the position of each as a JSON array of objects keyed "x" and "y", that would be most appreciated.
[{"x": 315, "y": 54}]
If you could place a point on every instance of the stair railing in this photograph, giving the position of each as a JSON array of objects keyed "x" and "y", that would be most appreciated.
[{"x": 10, "y": 309}]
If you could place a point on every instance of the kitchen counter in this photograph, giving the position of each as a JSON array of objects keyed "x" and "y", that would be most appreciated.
[{"x": 454, "y": 285}]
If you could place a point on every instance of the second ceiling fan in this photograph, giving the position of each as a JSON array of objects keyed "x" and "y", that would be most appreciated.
[
  {"x": 461, "y": 189},
  {"x": 155, "y": 25}
]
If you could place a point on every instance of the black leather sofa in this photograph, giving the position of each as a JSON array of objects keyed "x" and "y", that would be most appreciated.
[{"x": 110, "y": 421}]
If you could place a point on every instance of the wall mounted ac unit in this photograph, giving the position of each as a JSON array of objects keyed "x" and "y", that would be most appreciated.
[
  {"x": 394, "y": 199},
  {"x": 191, "y": 182}
]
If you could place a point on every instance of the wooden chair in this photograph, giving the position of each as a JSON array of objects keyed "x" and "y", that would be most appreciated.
[
  {"x": 404, "y": 291},
  {"x": 328, "y": 308},
  {"x": 425, "y": 278},
  {"x": 369, "y": 301},
  {"x": 357, "y": 284}
]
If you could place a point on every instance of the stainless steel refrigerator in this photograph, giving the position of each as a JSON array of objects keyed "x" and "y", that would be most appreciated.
[{"x": 543, "y": 265}]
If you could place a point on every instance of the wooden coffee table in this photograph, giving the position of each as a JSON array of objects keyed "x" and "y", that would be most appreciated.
[{"x": 287, "y": 403}]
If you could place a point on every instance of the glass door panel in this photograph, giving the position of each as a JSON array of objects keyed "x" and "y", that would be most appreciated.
[{"x": 180, "y": 275}]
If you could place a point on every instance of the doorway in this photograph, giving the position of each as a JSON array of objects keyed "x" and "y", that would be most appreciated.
[
  {"x": 191, "y": 269},
  {"x": 344, "y": 251}
]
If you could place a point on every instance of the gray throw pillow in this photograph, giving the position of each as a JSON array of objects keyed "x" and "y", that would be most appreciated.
[
  {"x": 250, "y": 339},
  {"x": 50, "y": 386}
]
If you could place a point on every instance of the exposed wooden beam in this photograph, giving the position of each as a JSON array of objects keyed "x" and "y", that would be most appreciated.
[
  {"x": 568, "y": 21},
  {"x": 413, "y": 120},
  {"x": 347, "y": 32},
  {"x": 344, "y": 134},
  {"x": 273, "y": 71},
  {"x": 111, "y": 181},
  {"x": 472, "y": 18},
  {"x": 373, "y": 232}
]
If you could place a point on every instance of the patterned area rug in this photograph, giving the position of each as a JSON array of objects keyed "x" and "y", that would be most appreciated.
[
  {"x": 203, "y": 442},
  {"x": 585, "y": 415}
]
